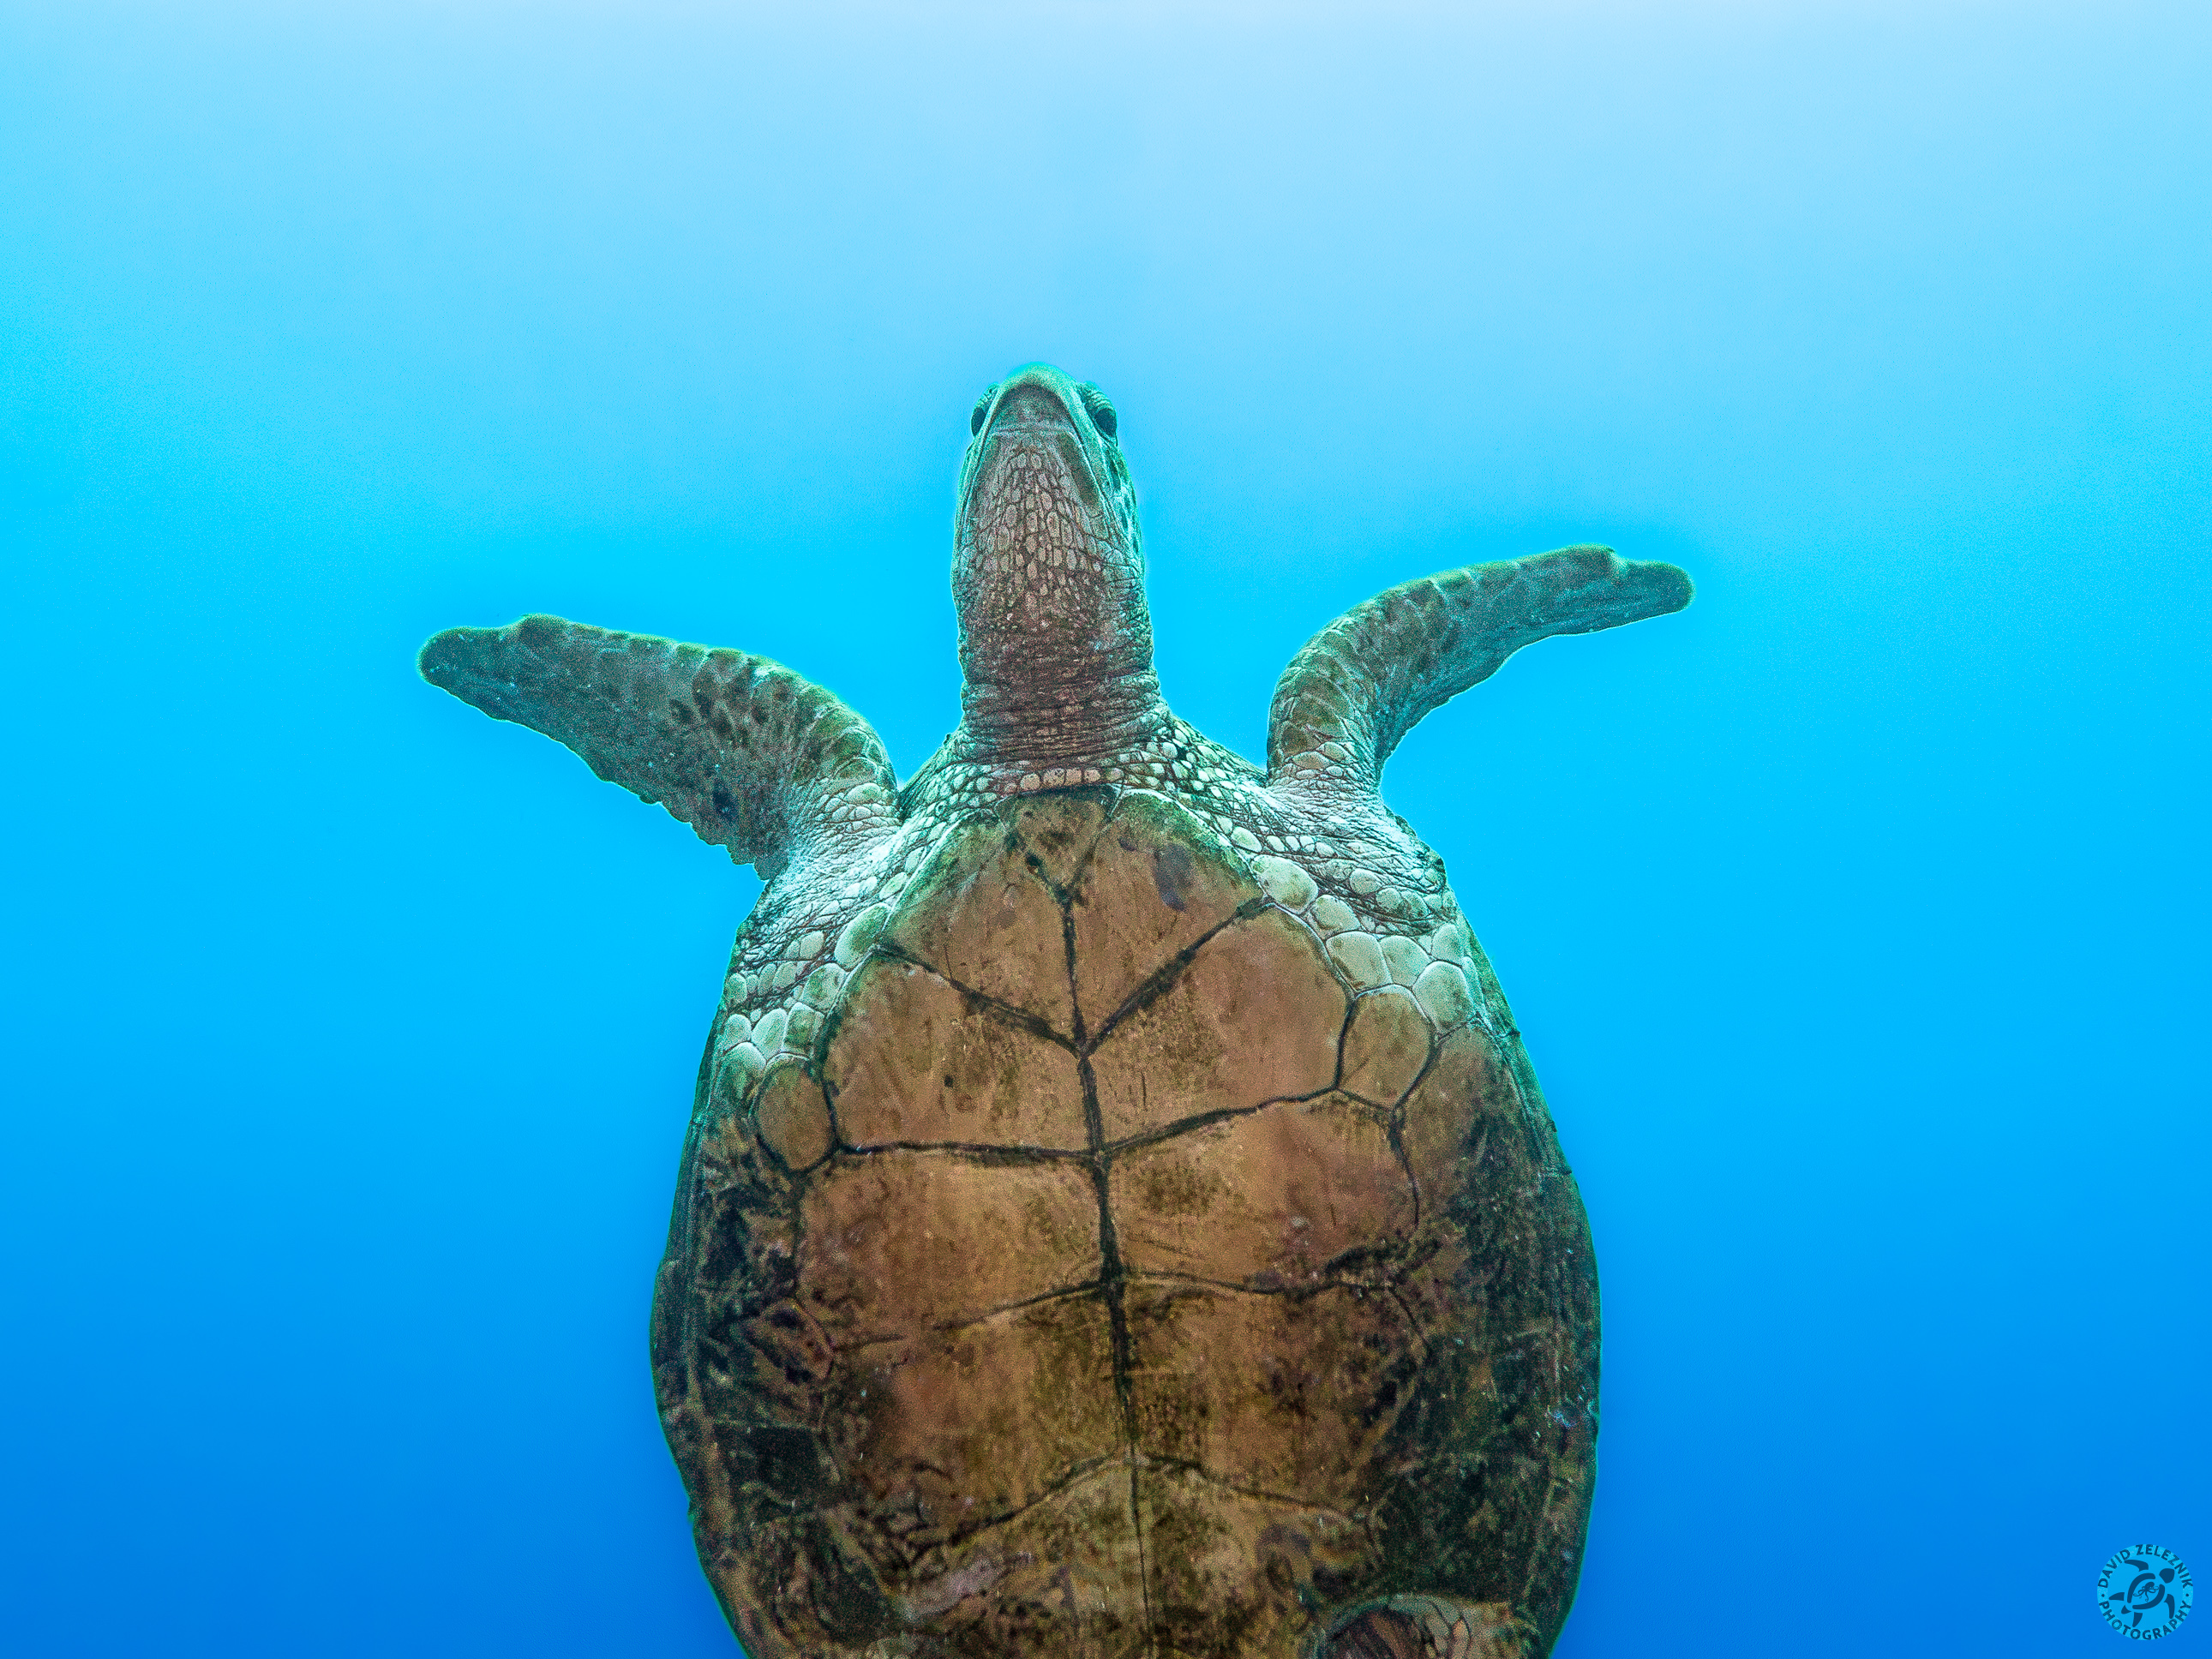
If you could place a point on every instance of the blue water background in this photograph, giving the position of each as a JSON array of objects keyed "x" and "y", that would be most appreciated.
[{"x": 1857, "y": 917}]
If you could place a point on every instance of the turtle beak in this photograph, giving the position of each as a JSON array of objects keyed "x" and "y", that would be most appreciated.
[
  {"x": 1029, "y": 407},
  {"x": 1034, "y": 414}
]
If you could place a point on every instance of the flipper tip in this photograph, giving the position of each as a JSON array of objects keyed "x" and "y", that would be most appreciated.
[
  {"x": 483, "y": 666},
  {"x": 439, "y": 660},
  {"x": 1665, "y": 588}
]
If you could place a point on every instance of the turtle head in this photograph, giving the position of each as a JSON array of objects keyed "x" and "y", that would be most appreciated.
[{"x": 1048, "y": 576}]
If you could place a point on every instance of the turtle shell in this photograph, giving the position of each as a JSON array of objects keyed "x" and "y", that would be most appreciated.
[{"x": 1121, "y": 1272}]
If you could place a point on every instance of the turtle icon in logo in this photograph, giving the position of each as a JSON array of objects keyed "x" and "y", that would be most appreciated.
[{"x": 2144, "y": 1592}]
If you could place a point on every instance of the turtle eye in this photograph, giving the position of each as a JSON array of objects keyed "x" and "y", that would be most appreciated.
[
  {"x": 1102, "y": 412},
  {"x": 983, "y": 408}
]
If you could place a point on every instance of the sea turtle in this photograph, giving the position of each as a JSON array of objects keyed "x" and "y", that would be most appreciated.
[{"x": 1117, "y": 1218}]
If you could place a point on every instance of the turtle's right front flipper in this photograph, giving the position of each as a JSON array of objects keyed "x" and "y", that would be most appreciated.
[
  {"x": 1365, "y": 680},
  {"x": 746, "y": 752}
]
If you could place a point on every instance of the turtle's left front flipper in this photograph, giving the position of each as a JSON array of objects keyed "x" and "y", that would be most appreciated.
[
  {"x": 748, "y": 754},
  {"x": 1365, "y": 680}
]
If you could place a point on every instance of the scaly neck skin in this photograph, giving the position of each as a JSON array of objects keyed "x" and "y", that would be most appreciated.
[
  {"x": 1055, "y": 638},
  {"x": 1066, "y": 713}
]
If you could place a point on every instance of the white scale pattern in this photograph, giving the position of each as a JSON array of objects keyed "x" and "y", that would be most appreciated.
[{"x": 1370, "y": 889}]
